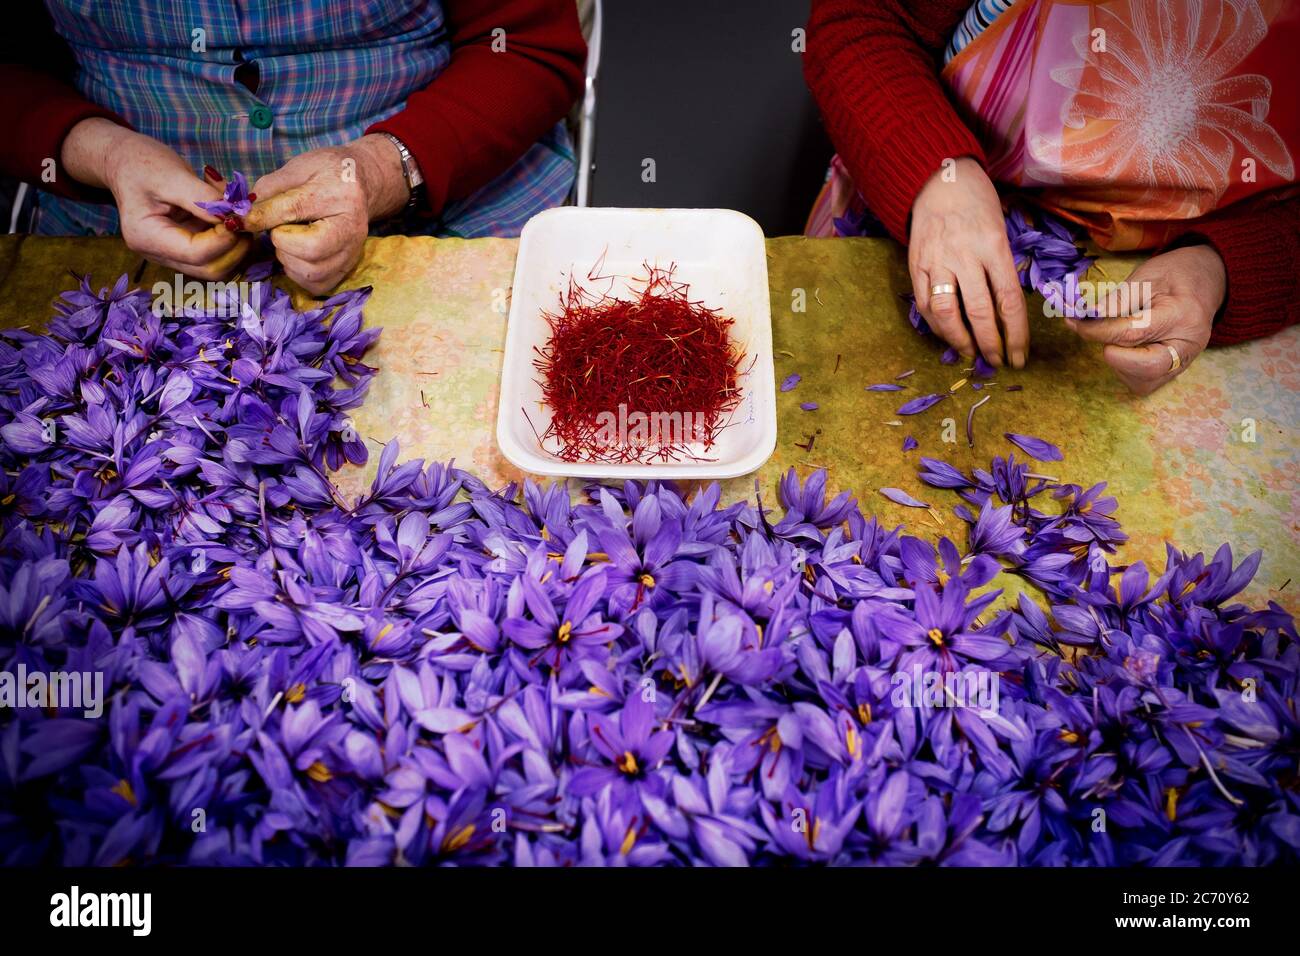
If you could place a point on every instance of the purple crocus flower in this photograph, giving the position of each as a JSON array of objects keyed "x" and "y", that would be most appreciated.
[{"x": 628, "y": 749}]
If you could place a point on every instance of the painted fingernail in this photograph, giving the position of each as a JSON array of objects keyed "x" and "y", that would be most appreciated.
[
  {"x": 252, "y": 197},
  {"x": 211, "y": 173},
  {"x": 234, "y": 223}
]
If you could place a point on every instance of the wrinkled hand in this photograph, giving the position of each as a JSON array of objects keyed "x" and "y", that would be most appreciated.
[
  {"x": 959, "y": 236},
  {"x": 1169, "y": 302},
  {"x": 155, "y": 191},
  {"x": 319, "y": 206}
]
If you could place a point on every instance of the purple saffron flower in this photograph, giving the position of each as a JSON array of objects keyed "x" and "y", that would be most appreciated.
[
  {"x": 918, "y": 405},
  {"x": 628, "y": 751},
  {"x": 235, "y": 201},
  {"x": 1035, "y": 447}
]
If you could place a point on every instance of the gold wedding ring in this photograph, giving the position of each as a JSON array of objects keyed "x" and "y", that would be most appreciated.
[
  {"x": 1177, "y": 359},
  {"x": 943, "y": 288}
]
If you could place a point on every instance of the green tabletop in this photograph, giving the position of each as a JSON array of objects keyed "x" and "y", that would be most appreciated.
[{"x": 1207, "y": 460}]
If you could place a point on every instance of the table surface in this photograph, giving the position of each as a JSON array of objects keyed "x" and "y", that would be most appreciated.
[{"x": 1179, "y": 461}]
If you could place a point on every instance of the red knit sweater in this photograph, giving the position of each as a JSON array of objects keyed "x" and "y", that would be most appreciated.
[
  {"x": 476, "y": 118},
  {"x": 873, "y": 67}
]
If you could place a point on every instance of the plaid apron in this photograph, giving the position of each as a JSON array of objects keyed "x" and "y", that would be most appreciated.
[{"x": 327, "y": 70}]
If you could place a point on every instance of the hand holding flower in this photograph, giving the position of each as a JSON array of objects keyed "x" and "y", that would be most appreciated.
[
  {"x": 157, "y": 196},
  {"x": 1171, "y": 311},
  {"x": 319, "y": 206},
  {"x": 959, "y": 238}
]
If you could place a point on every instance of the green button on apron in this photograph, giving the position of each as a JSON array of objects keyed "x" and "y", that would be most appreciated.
[{"x": 260, "y": 117}]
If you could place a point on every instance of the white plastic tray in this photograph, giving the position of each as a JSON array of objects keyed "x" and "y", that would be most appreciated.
[{"x": 719, "y": 252}]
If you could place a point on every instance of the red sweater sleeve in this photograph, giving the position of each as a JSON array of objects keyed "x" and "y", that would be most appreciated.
[
  {"x": 38, "y": 106},
  {"x": 873, "y": 67},
  {"x": 1259, "y": 242},
  {"x": 483, "y": 111}
]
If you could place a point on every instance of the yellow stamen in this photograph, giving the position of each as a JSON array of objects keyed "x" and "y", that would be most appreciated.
[
  {"x": 627, "y": 763},
  {"x": 936, "y": 636},
  {"x": 851, "y": 742},
  {"x": 812, "y": 832},
  {"x": 296, "y": 693},
  {"x": 1171, "y": 803},
  {"x": 123, "y": 789},
  {"x": 957, "y": 384},
  {"x": 629, "y": 841},
  {"x": 864, "y": 714},
  {"x": 457, "y": 838},
  {"x": 319, "y": 772},
  {"x": 647, "y": 580},
  {"x": 1069, "y": 736},
  {"x": 7, "y": 499},
  {"x": 565, "y": 632}
]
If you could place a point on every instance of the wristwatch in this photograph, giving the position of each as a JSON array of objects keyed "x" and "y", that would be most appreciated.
[{"x": 410, "y": 172}]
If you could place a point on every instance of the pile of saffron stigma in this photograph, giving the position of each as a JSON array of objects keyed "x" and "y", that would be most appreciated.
[{"x": 637, "y": 380}]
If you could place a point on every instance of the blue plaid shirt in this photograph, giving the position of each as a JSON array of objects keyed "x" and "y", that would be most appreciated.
[{"x": 327, "y": 70}]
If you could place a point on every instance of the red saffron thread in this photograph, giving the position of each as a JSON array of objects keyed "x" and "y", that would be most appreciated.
[{"x": 660, "y": 355}]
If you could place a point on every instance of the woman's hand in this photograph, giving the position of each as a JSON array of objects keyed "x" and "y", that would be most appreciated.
[
  {"x": 959, "y": 238},
  {"x": 319, "y": 206},
  {"x": 155, "y": 192},
  {"x": 1168, "y": 309}
]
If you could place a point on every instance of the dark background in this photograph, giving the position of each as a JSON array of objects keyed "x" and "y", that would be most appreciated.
[{"x": 713, "y": 93}]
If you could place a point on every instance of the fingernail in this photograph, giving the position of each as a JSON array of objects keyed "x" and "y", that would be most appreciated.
[
  {"x": 1018, "y": 359},
  {"x": 211, "y": 173},
  {"x": 234, "y": 223}
]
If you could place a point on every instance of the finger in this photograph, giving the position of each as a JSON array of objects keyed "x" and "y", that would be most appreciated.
[
  {"x": 289, "y": 176},
  {"x": 184, "y": 191},
  {"x": 313, "y": 242},
  {"x": 1129, "y": 298},
  {"x": 291, "y": 206},
  {"x": 318, "y": 278},
  {"x": 1128, "y": 331},
  {"x": 1144, "y": 368},
  {"x": 159, "y": 237},
  {"x": 217, "y": 269},
  {"x": 978, "y": 306},
  {"x": 942, "y": 311},
  {"x": 1009, "y": 299}
]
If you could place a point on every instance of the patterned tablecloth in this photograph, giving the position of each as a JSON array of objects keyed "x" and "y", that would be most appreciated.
[{"x": 1209, "y": 459}]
